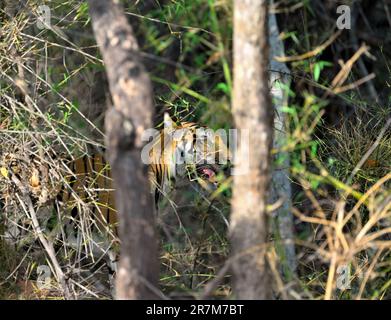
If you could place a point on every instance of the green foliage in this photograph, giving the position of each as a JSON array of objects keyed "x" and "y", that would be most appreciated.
[
  {"x": 53, "y": 94},
  {"x": 194, "y": 27}
]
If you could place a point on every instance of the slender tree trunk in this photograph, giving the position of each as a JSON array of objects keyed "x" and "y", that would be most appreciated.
[
  {"x": 281, "y": 184},
  {"x": 125, "y": 122},
  {"x": 252, "y": 111}
]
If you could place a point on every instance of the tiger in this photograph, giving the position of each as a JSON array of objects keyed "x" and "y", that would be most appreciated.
[
  {"x": 185, "y": 149},
  {"x": 83, "y": 217},
  {"x": 179, "y": 151}
]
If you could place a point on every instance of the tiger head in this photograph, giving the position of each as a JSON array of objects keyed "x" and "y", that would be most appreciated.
[{"x": 187, "y": 150}]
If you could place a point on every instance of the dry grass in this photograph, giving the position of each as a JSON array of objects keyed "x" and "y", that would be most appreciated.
[{"x": 52, "y": 99}]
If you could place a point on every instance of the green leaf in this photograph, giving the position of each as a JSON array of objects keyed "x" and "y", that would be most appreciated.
[
  {"x": 314, "y": 148},
  {"x": 314, "y": 184},
  {"x": 289, "y": 110},
  {"x": 317, "y": 69},
  {"x": 223, "y": 87},
  {"x": 4, "y": 172}
]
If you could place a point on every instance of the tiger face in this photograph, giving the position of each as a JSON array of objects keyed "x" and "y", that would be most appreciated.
[{"x": 186, "y": 150}]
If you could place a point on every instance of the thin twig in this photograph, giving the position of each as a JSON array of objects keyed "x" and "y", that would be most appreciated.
[{"x": 30, "y": 211}]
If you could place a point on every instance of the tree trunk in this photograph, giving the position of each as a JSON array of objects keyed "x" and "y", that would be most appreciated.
[
  {"x": 252, "y": 110},
  {"x": 281, "y": 184},
  {"x": 131, "y": 114}
]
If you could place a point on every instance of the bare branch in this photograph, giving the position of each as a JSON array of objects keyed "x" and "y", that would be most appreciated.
[{"x": 48, "y": 246}]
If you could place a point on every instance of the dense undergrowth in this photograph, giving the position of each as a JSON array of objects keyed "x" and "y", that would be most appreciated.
[{"x": 53, "y": 94}]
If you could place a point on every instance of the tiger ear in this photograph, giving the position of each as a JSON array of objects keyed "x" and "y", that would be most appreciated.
[{"x": 168, "y": 122}]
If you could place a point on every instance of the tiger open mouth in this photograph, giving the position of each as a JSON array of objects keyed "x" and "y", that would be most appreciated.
[
  {"x": 207, "y": 175},
  {"x": 206, "y": 172}
]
